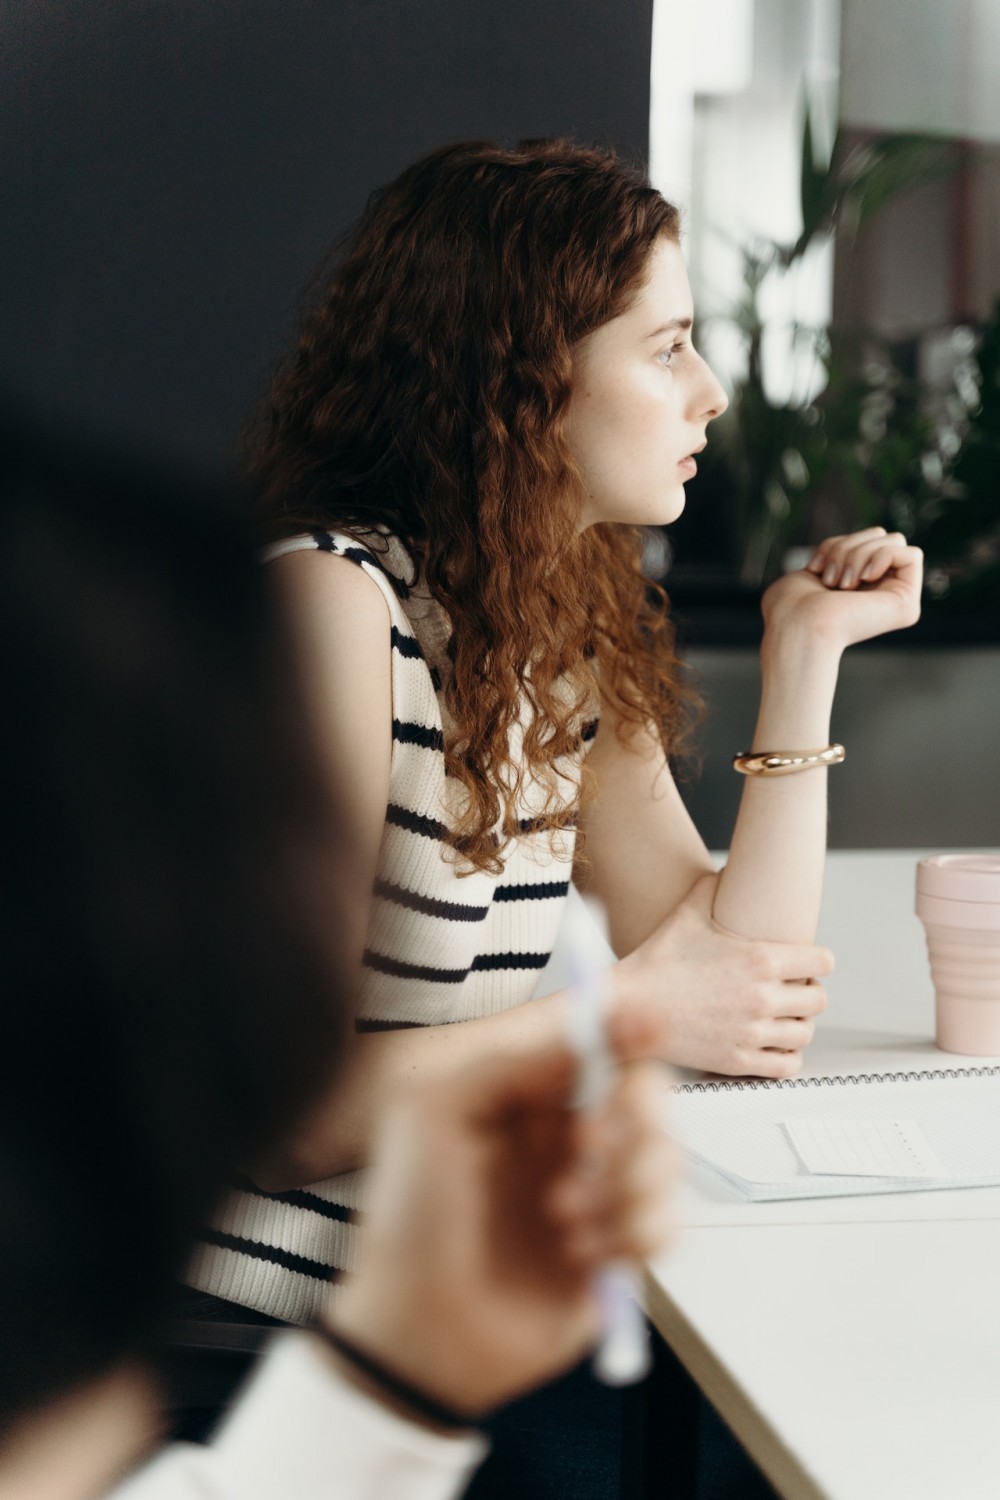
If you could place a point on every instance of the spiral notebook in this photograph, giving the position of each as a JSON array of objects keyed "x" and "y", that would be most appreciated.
[{"x": 844, "y": 1135}]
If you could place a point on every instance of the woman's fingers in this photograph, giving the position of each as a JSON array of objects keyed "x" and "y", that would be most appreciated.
[
  {"x": 778, "y": 1047},
  {"x": 772, "y": 1062},
  {"x": 862, "y": 557},
  {"x": 830, "y": 551},
  {"x": 801, "y": 963},
  {"x": 806, "y": 998},
  {"x": 877, "y": 562},
  {"x": 907, "y": 564},
  {"x": 791, "y": 1033}
]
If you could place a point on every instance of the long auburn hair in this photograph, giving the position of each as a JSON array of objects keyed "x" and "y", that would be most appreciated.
[{"x": 427, "y": 395}]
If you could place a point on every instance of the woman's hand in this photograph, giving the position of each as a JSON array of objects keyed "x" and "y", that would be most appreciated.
[
  {"x": 853, "y": 588},
  {"x": 728, "y": 1004},
  {"x": 491, "y": 1207}
]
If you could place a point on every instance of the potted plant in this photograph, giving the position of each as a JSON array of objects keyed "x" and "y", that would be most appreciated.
[{"x": 878, "y": 445}]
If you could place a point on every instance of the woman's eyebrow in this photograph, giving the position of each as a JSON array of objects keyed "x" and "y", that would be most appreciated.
[{"x": 675, "y": 325}]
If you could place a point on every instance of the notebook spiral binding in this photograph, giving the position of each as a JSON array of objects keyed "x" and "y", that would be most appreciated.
[{"x": 728, "y": 1085}]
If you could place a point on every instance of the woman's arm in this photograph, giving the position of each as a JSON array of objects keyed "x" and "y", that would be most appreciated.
[
  {"x": 645, "y": 862},
  {"x": 644, "y": 852},
  {"x": 725, "y": 998},
  {"x": 857, "y": 587},
  {"x": 342, "y": 625},
  {"x": 342, "y": 628}
]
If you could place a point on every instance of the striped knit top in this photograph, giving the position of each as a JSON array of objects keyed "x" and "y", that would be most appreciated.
[{"x": 441, "y": 947}]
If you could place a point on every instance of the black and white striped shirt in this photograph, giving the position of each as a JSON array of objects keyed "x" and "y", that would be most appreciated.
[{"x": 440, "y": 947}]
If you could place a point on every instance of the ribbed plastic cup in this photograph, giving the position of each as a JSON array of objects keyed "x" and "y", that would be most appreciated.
[{"x": 958, "y": 901}]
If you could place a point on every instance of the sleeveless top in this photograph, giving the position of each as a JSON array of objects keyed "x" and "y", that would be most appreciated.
[{"x": 441, "y": 946}]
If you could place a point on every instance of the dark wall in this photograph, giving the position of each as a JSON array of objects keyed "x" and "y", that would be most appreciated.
[{"x": 173, "y": 172}]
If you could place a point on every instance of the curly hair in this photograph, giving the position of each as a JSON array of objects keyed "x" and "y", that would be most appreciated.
[{"x": 427, "y": 395}]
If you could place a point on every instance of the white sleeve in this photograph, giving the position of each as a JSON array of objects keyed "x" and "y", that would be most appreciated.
[{"x": 301, "y": 1432}]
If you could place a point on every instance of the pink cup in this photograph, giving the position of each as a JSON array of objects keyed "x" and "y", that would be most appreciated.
[{"x": 958, "y": 901}]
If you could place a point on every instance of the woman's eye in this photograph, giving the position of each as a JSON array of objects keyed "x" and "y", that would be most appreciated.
[{"x": 665, "y": 356}]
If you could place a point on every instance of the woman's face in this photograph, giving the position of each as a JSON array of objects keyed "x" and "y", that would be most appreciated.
[{"x": 642, "y": 399}]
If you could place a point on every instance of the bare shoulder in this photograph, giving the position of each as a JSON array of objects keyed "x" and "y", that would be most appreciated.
[
  {"x": 342, "y": 629},
  {"x": 342, "y": 625},
  {"x": 325, "y": 592}
]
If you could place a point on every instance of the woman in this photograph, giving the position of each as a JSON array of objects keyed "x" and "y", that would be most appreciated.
[{"x": 497, "y": 390}]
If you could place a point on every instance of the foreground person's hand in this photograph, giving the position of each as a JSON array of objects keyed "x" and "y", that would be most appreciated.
[{"x": 492, "y": 1206}]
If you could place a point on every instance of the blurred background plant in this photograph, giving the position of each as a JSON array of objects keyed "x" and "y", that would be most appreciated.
[
  {"x": 959, "y": 524},
  {"x": 900, "y": 434}
]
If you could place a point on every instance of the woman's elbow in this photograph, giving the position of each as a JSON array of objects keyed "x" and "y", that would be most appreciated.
[{"x": 298, "y": 1163}]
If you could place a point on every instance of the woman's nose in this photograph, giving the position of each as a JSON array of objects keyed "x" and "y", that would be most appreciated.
[{"x": 711, "y": 396}]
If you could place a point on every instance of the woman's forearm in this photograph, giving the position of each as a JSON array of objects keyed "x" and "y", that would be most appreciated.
[
  {"x": 772, "y": 884},
  {"x": 856, "y": 587}
]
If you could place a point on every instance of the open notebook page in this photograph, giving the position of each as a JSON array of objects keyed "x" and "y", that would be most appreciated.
[{"x": 742, "y": 1132}]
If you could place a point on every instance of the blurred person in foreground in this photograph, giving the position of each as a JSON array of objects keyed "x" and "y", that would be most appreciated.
[{"x": 174, "y": 945}]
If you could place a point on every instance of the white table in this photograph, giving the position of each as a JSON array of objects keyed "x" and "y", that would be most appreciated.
[{"x": 852, "y": 1345}]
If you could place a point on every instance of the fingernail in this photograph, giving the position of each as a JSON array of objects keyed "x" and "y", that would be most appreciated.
[
  {"x": 815, "y": 563},
  {"x": 830, "y": 575},
  {"x": 867, "y": 572},
  {"x": 847, "y": 578}
]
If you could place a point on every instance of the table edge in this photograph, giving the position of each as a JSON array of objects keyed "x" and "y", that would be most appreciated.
[{"x": 779, "y": 1464}]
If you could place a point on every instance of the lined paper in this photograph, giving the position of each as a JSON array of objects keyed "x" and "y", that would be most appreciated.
[
  {"x": 948, "y": 1121},
  {"x": 864, "y": 1148}
]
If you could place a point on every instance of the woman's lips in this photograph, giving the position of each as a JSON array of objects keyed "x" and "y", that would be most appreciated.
[{"x": 688, "y": 466}]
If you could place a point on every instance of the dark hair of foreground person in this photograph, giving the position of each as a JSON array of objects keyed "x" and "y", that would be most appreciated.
[{"x": 167, "y": 897}]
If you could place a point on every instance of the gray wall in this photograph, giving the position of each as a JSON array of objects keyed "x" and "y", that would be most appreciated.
[
  {"x": 173, "y": 169},
  {"x": 921, "y": 729}
]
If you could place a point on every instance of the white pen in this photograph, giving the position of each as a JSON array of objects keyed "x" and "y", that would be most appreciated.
[{"x": 622, "y": 1356}]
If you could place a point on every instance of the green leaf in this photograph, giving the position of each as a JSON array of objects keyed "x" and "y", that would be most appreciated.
[
  {"x": 874, "y": 175},
  {"x": 813, "y": 182}
]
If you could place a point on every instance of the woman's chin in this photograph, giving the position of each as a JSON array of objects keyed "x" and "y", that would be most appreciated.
[
  {"x": 660, "y": 510},
  {"x": 668, "y": 509}
]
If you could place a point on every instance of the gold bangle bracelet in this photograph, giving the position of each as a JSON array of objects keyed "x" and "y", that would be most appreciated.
[{"x": 785, "y": 762}]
